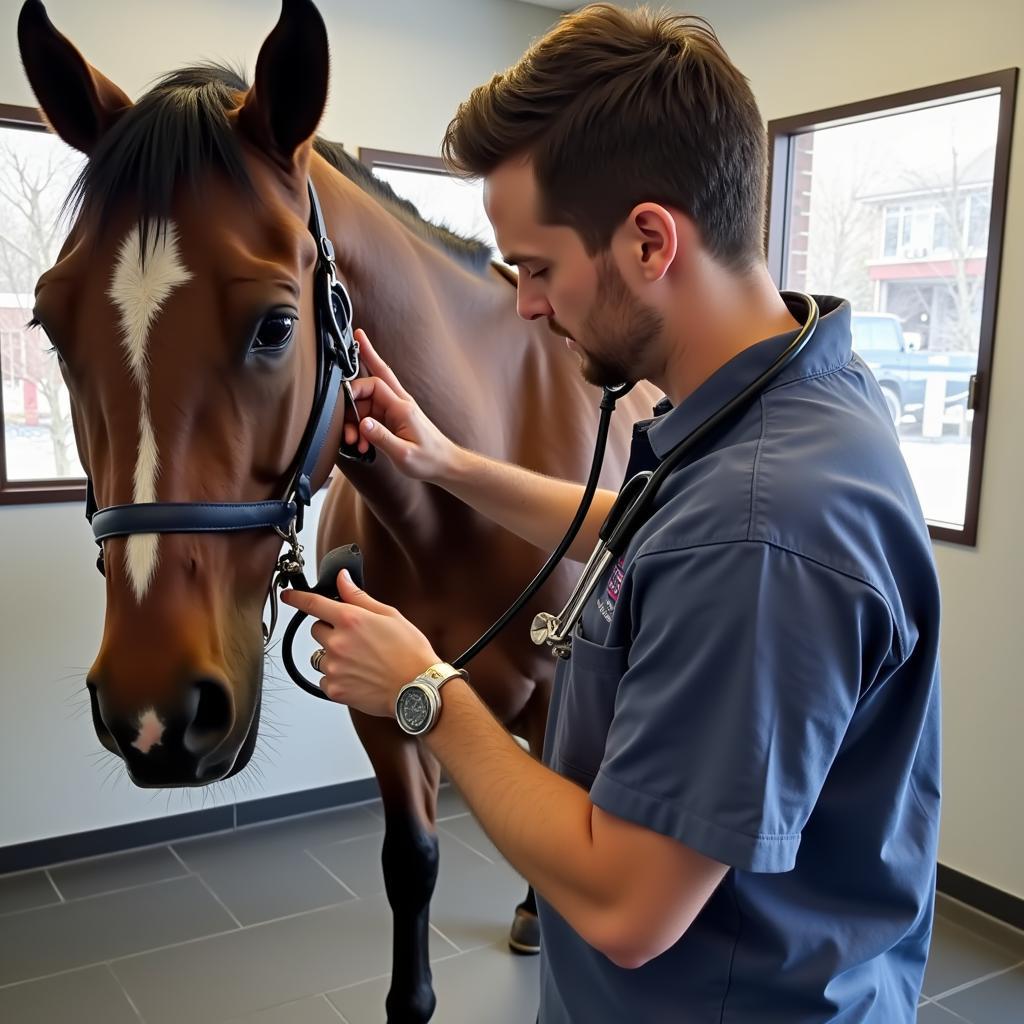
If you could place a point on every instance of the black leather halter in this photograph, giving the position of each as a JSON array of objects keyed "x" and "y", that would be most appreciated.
[{"x": 337, "y": 366}]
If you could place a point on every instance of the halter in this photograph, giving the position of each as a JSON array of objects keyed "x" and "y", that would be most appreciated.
[{"x": 337, "y": 357}]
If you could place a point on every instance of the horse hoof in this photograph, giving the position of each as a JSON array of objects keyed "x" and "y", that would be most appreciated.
[{"x": 524, "y": 938}]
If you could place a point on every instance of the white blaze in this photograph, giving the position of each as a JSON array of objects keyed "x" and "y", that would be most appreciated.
[
  {"x": 139, "y": 292},
  {"x": 151, "y": 731}
]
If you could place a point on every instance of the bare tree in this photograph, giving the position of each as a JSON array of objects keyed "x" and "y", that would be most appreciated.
[
  {"x": 31, "y": 230},
  {"x": 951, "y": 193},
  {"x": 842, "y": 238}
]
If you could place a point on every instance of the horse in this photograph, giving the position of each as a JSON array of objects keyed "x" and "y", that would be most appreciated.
[{"x": 180, "y": 308}]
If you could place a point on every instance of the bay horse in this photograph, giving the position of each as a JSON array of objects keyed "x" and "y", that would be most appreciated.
[{"x": 180, "y": 308}]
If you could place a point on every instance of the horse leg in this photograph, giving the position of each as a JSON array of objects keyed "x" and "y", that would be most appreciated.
[
  {"x": 524, "y": 935},
  {"x": 408, "y": 778}
]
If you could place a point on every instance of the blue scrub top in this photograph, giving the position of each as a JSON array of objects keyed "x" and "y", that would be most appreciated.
[{"x": 758, "y": 678}]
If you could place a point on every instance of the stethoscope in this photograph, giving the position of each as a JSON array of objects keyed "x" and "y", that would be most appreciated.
[{"x": 632, "y": 506}]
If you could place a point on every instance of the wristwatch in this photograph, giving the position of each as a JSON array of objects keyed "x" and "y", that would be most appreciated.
[{"x": 418, "y": 706}]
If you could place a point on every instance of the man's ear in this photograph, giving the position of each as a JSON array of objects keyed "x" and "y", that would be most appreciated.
[
  {"x": 284, "y": 106},
  {"x": 80, "y": 103},
  {"x": 652, "y": 240}
]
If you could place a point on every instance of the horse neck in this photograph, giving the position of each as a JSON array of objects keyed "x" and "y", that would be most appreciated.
[{"x": 448, "y": 331}]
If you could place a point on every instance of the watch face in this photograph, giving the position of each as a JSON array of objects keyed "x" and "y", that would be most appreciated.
[{"x": 414, "y": 710}]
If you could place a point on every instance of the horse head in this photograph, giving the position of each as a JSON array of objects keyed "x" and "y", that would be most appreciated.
[{"x": 181, "y": 310}]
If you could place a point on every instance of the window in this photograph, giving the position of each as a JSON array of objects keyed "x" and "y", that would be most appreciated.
[
  {"x": 897, "y": 204},
  {"x": 13, "y": 363},
  {"x": 439, "y": 197},
  {"x": 38, "y": 459}
]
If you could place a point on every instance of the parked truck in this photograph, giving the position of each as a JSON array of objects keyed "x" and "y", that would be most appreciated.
[{"x": 904, "y": 372}]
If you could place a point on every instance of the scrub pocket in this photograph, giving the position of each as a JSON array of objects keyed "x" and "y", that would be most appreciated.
[{"x": 586, "y": 708}]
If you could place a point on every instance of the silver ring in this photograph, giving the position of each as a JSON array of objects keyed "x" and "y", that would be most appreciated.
[{"x": 316, "y": 659}]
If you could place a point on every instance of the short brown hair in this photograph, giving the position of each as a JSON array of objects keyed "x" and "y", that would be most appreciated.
[{"x": 617, "y": 108}]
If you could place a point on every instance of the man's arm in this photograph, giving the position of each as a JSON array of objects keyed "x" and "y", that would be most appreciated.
[
  {"x": 532, "y": 506},
  {"x": 628, "y": 891}
]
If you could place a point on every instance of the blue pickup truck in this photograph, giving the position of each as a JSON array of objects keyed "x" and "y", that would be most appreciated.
[{"x": 903, "y": 372}]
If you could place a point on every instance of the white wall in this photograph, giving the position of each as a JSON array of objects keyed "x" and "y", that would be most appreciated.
[
  {"x": 804, "y": 55},
  {"x": 400, "y": 68}
]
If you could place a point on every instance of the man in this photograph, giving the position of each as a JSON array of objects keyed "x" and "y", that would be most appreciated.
[{"x": 737, "y": 818}]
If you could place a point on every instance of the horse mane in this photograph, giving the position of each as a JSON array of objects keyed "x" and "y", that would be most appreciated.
[{"x": 179, "y": 132}]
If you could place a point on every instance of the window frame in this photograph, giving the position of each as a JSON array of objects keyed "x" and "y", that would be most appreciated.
[
  {"x": 30, "y": 492},
  {"x": 402, "y": 161},
  {"x": 782, "y": 132}
]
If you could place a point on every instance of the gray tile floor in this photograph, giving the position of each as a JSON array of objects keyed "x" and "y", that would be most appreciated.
[{"x": 287, "y": 923}]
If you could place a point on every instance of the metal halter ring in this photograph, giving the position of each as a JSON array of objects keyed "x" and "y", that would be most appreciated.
[{"x": 316, "y": 659}]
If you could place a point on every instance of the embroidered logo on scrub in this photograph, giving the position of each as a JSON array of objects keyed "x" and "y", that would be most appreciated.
[
  {"x": 606, "y": 603},
  {"x": 615, "y": 583}
]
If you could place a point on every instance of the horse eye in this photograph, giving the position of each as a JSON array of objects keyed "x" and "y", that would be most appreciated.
[{"x": 274, "y": 333}]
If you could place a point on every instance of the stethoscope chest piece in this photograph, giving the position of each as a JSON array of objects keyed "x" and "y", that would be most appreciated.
[{"x": 545, "y": 630}]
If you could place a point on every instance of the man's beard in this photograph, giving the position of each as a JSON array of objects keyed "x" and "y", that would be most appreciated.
[{"x": 619, "y": 331}]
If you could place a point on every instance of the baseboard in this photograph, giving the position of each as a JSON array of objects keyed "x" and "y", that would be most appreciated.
[
  {"x": 982, "y": 896},
  {"x": 42, "y": 853}
]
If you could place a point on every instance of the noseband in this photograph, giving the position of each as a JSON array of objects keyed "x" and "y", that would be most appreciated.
[{"x": 337, "y": 366}]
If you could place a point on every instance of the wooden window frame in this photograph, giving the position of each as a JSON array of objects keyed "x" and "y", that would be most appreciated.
[
  {"x": 30, "y": 492},
  {"x": 781, "y": 134}
]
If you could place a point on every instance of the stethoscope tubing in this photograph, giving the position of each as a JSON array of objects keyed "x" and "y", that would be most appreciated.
[{"x": 632, "y": 506}]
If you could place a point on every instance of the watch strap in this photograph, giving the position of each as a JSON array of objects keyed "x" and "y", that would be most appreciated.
[{"x": 440, "y": 673}]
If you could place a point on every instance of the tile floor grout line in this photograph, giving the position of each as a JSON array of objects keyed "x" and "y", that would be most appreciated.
[
  {"x": 97, "y": 895},
  {"x": 434, "y": 927},
  {"x": 55, "y": 974},
  {"x": 452, "y": 817},
  {"x": 117, "y": 959},
  {"x": 177, "y": 856},
  {"x": 4, "y": 914},
  {"x": 316, "y": 860},
  {"x": 56, "y": 888},
  {"x": 125, "y": 993},
  {"x": 227, "y": 910},
  {"x": 173, "y": 945},
  {"x": 473, "y": 849},
  {"x": 946, "y": 1009},
  {"x": 343, "y": 1018},
  {"x": 351, "y": 839},
  {"x": 454, "y": 956},
  {"x": 956, "y": 990},
  {"x": 233, "y": 931},
  {"x": 362, "y": 981},
  {"x": 206, "y": 885}
]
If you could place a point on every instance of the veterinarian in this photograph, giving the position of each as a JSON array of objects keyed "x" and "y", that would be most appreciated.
[{"x": 737, "y": 814}]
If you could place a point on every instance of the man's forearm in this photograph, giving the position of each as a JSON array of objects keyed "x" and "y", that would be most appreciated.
[
  {"x": 540, "y": 821},
  {"x": 532, "y": 506}
]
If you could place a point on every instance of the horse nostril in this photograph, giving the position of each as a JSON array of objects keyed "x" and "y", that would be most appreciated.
[
  {"x": 103, "y": 733},
  {"x": 212, "y": 718}
]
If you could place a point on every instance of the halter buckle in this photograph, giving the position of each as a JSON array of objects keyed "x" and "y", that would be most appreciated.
[{"x": 291, "y": 561}]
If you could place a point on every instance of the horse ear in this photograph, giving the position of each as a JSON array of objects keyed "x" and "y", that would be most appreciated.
[
  {"x": 289, "y": 92},
  {"x": 79, "y": 102}
]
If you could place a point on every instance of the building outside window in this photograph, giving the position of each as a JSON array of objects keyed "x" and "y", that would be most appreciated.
[{"x": 897, "y": 205}]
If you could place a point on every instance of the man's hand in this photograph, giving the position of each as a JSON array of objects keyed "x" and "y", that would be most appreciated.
[
  {"x": 391, "y": 420},
  {"x": 372, "y": 651}
]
